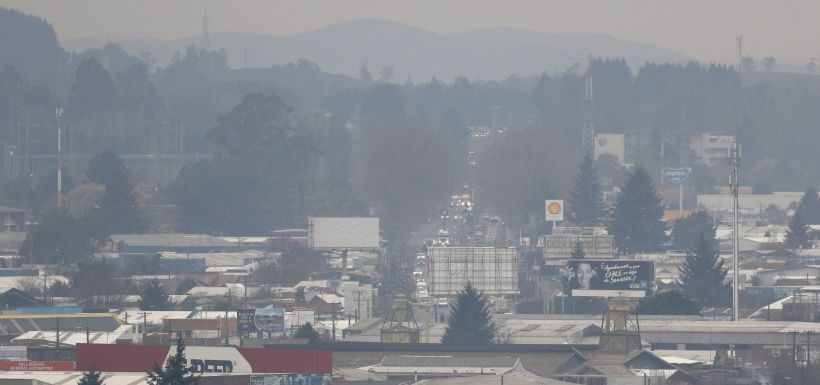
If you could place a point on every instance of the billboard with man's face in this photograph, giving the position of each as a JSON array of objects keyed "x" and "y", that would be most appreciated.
[{"x": 610, "y": 278}]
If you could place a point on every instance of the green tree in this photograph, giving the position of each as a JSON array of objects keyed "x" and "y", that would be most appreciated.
[
  {"x": 260, "y": 178},
  {"x": 673, "y": 302},
  {"x": 809, "y": 206},
  {"x": 300, "y": 295},
  {"x": 91, "y": 377},
  {"x": 119, "y": 212},
  {"x": 93, "y": 284},
  {"x": 769, "y": 62},
  {"x": 93, "y": 89},
  {"x": 687, "y": 230},
  {"x": 58, "y": 238},
  {"x": 702, "y": 275},
  {"x": 307, "y": 332},
  {"x": 636, "y": 223},
  {"x": 153, "y": 297},
  {"x": 585, "y": 202},
  {"x": 577, "y": 251},
  {"x": 267, "y": 272},
  {"x": 45, "y": 194},
  {"x": 176, "y": 370},
  {"x": 470, "y": 320},
  {"x": 186, "y": 284},
  {"x": 797, "y": 235},
  {"x": 300, "y": 263}
]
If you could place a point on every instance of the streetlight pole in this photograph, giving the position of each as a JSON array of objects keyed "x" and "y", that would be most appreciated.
[{"x": 735, "y": 161}]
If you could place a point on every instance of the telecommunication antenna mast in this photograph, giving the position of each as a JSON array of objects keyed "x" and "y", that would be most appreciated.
[
  {"x": 734, "y": 159},
  {"x": 739, "y": 53},
  {"x": 206, "y": 36}
]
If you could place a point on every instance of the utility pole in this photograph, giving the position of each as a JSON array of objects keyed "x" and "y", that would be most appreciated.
[
  {"x": 59, "y": 355},
  {"x": 227, "y": 329},
  {"x": 144, "y": 324},
  {"x": 734, "y": 155},
  {"x": 59, "y": 114},
  {"x": 588, "y": 133}
]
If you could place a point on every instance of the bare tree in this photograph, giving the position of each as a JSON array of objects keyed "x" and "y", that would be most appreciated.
[{"x": 32, "y": 286}]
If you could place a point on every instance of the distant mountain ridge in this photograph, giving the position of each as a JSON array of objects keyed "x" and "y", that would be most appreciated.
[{"x": 488, "y": 53}]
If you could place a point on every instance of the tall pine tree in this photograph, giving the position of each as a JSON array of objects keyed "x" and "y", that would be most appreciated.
[
  {"x": 175, "y": 372},
  {"x": 797, "y": 235},
  {"x": 470, "y": 320},
  {"x": 153, "y": 297},
  {"x": 636, "y": 223},
  {"x": 119, "y": 212},
  {"x": 585, "y": 202},
  {"x": 809, "y": 207},
  {"x": 687, "y": 230},
  {"x": 702, "y": 275},
  {"x": 577, "y": 251},
  {"x": 91, "y": 377}
]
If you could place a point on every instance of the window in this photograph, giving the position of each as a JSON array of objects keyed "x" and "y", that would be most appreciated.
[{"x": 8, "y": 223}]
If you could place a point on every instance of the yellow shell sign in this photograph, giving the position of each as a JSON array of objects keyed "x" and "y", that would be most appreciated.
[{"x": 554, "y": 210}]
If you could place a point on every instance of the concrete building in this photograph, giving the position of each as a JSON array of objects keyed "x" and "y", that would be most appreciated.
[
  {"x": 749, "y": 204},
  {"x": 711, "y": 149}
]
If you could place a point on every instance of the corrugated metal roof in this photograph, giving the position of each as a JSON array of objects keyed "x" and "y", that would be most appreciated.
[
  {"x": 447, "y": 361},
  {"x": 73, "y": 337}
]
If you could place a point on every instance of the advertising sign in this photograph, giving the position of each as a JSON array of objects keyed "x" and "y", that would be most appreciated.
[
  {"x": 37, "y": 366},
  {"x": 13, "y": 353},
  {"x": 204, "y": 359},
  {"x": 554, "y": 210},
  {"x": 270, "y": 320},
  {"x": 610, "y": 278},
  {"x": 344, "y": 233},
  {"x": 244, "y": 321},
  {"x": 676, "y": 175}
]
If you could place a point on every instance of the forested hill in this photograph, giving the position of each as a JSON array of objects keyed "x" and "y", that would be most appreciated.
[
  {"x": 489, "y": 54},
  {"x": 29, "y": 44}
]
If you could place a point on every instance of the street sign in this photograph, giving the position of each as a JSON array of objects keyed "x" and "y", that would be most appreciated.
[
  {"x": 676, "y": 175},
  {"x": 554, "y": 210}
]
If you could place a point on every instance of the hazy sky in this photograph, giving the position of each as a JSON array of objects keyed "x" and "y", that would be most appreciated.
[{"x": 702, "y": 29}]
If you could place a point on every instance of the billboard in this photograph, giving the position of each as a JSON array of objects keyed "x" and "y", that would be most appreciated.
[
  {"x": 491, "y": 270},
  {"x": 610, "y": 278},
  {"x": 554, "y": 210},
  {"x": 244, "y": 321},
  {"x": 595, "y": 242},
  {"x": 344, "y": 233},
  {"x": 204, "y": 359},
  {"x": 270, "y": 320},
  {"x": 13, "y": 353}
]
